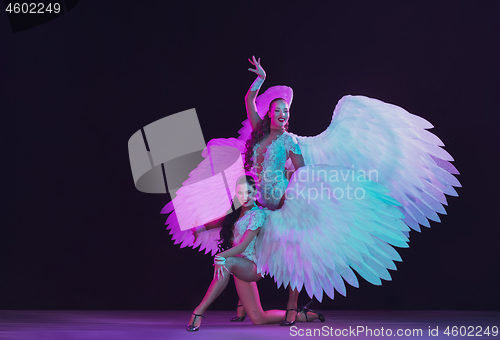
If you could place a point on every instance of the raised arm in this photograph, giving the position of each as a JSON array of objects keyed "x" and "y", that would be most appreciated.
[{"x": 253, "y": 116}]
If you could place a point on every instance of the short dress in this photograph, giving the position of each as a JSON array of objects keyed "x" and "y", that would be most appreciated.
[{"x": 251, "y": 220}]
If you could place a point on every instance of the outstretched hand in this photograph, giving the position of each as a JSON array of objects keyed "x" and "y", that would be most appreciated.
[{"x": 258, "y": 68}]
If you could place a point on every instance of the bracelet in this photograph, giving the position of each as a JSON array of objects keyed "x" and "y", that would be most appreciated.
[
  {"x": 257, "y": 84},
  {"x": 219, "y": 260}
]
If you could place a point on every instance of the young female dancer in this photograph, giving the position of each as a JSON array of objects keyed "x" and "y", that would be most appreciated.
[
  {"x": 269, "y": 135},
  {"x": 238, "y": 236}
]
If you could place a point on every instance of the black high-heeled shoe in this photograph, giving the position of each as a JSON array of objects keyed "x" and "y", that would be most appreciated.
[
  {"x": 305, "y": 310},
  {"x": 192, "y": 327},
  {"x": 238, "y": 318},
  {"x": 285, "y": 322}
]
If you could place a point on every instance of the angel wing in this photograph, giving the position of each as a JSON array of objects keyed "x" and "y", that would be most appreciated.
[
  {"x": 394, "y": 147},
  {"x": 206, "y": 195},
  {"x": 333, "y": 221},
  {"x": 317, "y": 245}
]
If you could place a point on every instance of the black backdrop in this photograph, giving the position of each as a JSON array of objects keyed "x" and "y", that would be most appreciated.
[{"x": 76, "y": 234}]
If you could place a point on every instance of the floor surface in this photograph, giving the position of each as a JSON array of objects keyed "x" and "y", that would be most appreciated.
[{"x": 125, "y": 325}]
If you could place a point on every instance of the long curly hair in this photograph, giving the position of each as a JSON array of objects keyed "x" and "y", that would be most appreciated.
[
  {"x": 227, "y": 226},
  {"x": 261, "y": 132}
]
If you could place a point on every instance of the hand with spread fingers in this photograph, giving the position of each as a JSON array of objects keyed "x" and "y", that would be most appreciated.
[
  {"x": 258, "y": 67},
  {"x": 220, "y": 266}
]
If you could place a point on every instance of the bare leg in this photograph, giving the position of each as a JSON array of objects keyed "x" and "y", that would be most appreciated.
[
  {"x": 240, "y": 310},
  {"x": 216, "y": 287},
  {"x": 249, "y": 296},
  {"x": 293, "y": 296},
  {"x": 241, "y": 267}
]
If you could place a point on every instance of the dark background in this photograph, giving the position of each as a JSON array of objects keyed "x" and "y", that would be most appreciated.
[{"x": 76, "y": 234}]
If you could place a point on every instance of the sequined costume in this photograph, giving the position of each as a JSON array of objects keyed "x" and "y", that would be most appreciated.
[
  {"x": 251, "y": 220},
  {"x": 270, "y": 171}
]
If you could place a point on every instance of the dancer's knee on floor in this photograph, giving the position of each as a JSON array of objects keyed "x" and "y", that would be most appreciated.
[
  {"x": 256, "y": 316},
  {"x": 259, "y": 320}
]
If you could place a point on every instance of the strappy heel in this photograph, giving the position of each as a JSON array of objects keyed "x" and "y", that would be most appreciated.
[
  {"x": 285, "y": 322},
  {"x": 305, "y": 310},
  {"x": 238, "y": 318},
  {"x": 192, "y": 327}
]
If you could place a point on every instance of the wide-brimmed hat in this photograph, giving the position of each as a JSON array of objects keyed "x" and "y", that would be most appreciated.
[{"x": 272, "y": 93}]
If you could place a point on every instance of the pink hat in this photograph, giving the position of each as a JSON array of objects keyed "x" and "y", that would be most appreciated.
[{"x": 272, "y": 93}]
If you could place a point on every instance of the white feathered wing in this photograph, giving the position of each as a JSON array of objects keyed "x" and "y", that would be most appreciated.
[{"x": 395, "y": 146}]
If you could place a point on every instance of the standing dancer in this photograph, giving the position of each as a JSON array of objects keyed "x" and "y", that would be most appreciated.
[{"x": 269, "y": 136}]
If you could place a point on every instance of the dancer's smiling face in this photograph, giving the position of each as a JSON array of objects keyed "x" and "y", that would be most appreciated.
[
  {"x": 245, "y": 194},
  {"x": 279, "y": 113}
]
